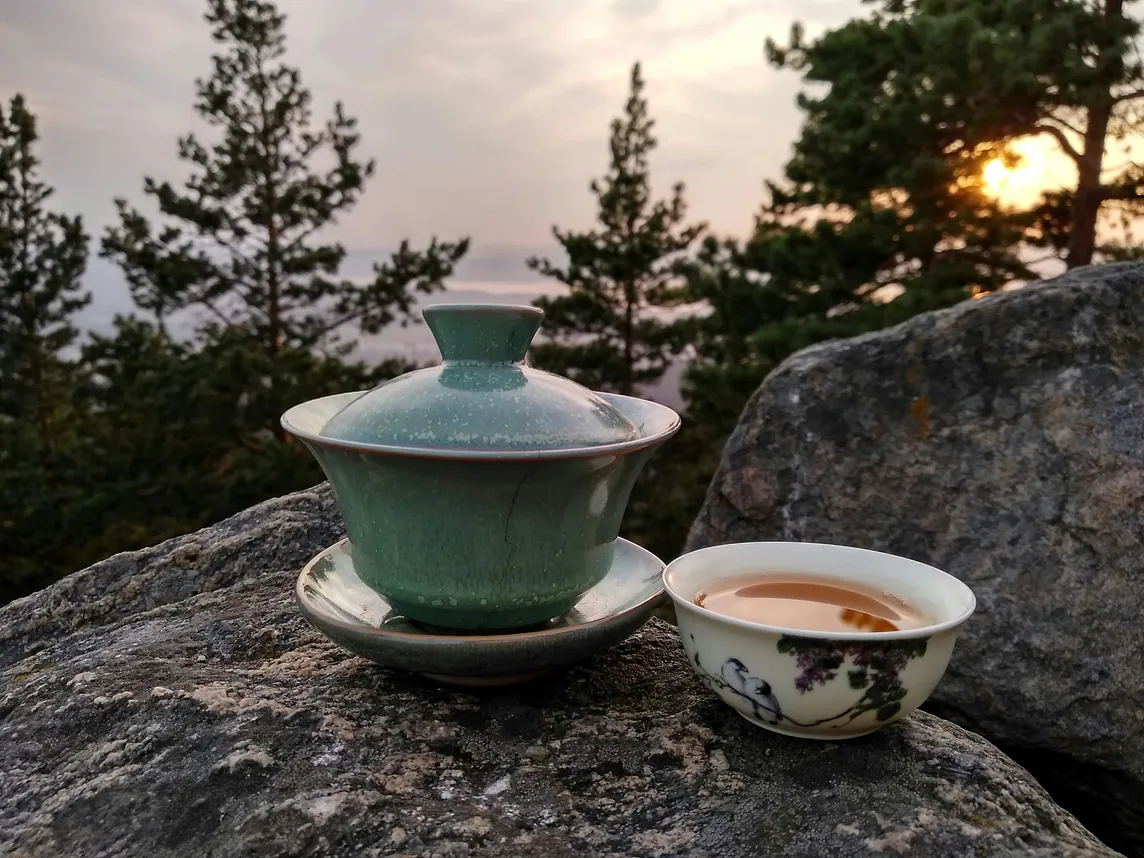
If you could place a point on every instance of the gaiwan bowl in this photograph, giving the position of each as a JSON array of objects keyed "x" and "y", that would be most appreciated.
[
  {"x": 481, "y": 494},
  {"x": 815, "y": 684}
]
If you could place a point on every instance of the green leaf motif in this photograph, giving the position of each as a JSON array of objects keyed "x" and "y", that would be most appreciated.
[
  {"x": 885, "y": 713},
  {"x": 859, "y": 678}
]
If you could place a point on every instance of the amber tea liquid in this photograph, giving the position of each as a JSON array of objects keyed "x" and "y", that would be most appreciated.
[{"x": 809, "y": 603}]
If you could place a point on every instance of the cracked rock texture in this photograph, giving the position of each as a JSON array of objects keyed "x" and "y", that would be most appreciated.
[
  {"x": 187, "y": 710},
  {"x": 1003, "y": 441}
]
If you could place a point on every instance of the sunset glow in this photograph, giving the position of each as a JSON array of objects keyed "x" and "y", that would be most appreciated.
[
  {"x": 1040, "y": 167},
  {"x": 995, "y": 174}
]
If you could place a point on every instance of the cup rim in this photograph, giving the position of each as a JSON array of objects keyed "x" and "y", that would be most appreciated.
[{"x": 857, "y": 637}]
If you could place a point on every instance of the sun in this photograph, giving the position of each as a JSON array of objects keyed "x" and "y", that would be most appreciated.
[
  {"x": 1031, "y": 166},
  {"x": 995, "y": 175}
]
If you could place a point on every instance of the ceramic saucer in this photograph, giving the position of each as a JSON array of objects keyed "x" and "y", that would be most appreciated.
[{"x": 335, "y": 601}]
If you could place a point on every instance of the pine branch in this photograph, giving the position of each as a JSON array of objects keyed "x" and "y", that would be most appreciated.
[
  {"x": 1064, "y": 123},
  {"x": 1108, "y": 193},
  {"x": 1131, "y": 95},
  {"x": 1063, "y": 141}
]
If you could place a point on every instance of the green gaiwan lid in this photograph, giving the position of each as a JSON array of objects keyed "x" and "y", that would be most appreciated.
[{"x": 482, "y": 396}]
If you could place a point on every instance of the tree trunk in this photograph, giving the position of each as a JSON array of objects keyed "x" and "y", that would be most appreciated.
[
  {"x": 270, "y": 199},
  {"x": 273, "y": 286},
  {"x": 628, "y": 385},
  {"x": 1087, "y": 201},
  {"x": 39, "y": 406},
  {"x": 270, "y": 154},
  {"x": 273, "y": 280},
  {"x": 31, "y": 347}
]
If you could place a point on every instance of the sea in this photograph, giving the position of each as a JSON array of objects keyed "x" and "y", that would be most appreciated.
[
  {"x": 415, "y": 341},
  {"x": 412, "y": 341}
]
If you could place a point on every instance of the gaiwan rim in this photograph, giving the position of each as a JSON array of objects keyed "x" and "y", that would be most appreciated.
[
  {"x": 905, "y": 634},
  {"x": 670, "y": 425}
]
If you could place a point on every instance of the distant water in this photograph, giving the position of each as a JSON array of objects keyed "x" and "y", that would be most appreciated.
[
  {"x": 110, "y": 297},
  {"x": 415, "y": 341}
]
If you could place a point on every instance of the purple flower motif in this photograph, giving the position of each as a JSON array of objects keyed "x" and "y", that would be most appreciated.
[{"x": 877, "y": 665}]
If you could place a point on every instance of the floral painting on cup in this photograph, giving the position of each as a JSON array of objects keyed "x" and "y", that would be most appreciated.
[{"x": 872, "y": 668}]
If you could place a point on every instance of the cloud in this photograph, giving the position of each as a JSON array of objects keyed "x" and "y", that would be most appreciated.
[{"x": 487, "y": 117}]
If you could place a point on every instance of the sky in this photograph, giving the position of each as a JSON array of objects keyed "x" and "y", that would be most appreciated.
[{"x": 487, "y": 118}]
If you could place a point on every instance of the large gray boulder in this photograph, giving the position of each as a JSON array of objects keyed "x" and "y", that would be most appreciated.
[
  {"x": 187, "y": 710},
  {"x": 1003, "y": 441}
]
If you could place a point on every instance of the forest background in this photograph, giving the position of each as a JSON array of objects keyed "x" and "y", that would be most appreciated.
[{"x": 916, "y": 116}]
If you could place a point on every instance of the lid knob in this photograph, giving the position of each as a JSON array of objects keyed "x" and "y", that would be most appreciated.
[{"x": 483, "y": 333}]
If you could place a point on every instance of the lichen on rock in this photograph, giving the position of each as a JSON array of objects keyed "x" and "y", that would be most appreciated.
[{"x": 191, "y": 720}]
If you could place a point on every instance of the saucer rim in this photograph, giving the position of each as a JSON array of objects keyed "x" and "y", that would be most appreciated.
[{"x": 659, "y": 596}]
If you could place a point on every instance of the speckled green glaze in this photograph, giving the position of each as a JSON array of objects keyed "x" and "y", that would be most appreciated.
[
  {"x": 334, "y": 600},
  {"x": 468, "y": 544},
  {"x": 483, "y": 538},
  {"x": 482, "y": 396}
]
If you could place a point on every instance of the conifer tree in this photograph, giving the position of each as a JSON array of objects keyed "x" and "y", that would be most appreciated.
[
  {"x": 983, "y": 73},
  {"x": 42, "y": 258},
  {"x": 241, "y": 241},
  {"x": 601, "y": 333}
]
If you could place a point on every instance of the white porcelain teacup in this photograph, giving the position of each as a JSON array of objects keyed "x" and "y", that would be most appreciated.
[{"x": 814, "y": 684}]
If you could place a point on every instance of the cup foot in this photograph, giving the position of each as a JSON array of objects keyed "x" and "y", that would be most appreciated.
[
  {"x": 431, "y": 629},
  {"x": 445, "y": 621},
  {"x": 487, "y": 681},
  {"x": 810, "y": 733}
]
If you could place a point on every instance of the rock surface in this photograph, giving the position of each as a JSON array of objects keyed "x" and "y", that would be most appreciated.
[
  {"x": 1003, "y": 441},
  {"x": 163, "y": 721}
]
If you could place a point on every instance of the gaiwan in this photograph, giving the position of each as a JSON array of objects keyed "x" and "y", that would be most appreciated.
[{"x": 481, "y": 494}]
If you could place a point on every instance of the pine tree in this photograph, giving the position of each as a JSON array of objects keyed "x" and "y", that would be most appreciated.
[
  {"x": 882, "y": 212},
  {"x": 885, "y": 192},
  {"x": 182, "y": 433},
  {"x": 984, "y": 73},
  {"x": 601, "y": 333},
  {"x": 42, "y": 258},
  {"x": 240, "y": 241}
]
